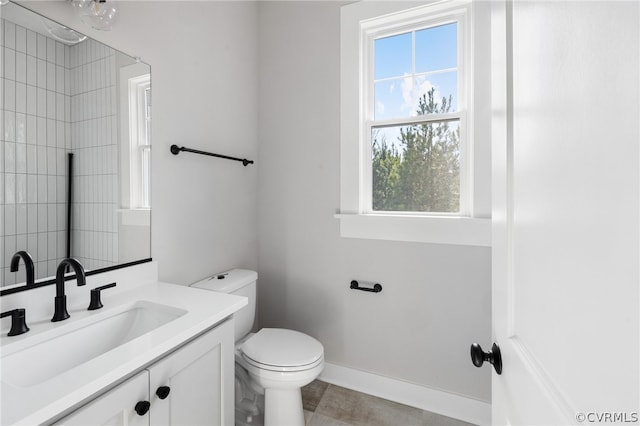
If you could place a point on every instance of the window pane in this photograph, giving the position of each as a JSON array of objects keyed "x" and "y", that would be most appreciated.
[
  {"x": 414, "y": 96},
  {"x": 444, "y": 85},
  {"x": 416, "y": 168},
  {"x": 392, "y": 56},
  {"x": 147, "y": 102},
  {"x": 147, "y": 116},
  {"x": 390, "y": 96},
  {"x": 145, "y": 195},
  {"x": 437, "y": 48}
]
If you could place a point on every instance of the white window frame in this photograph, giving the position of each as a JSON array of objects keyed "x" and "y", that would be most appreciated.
[
  {"x": 139, "y": 184},
  {"x": 381, "y": 28},
  {"x": 361, "y": 23},
  {"x": 133, "y": 81}
]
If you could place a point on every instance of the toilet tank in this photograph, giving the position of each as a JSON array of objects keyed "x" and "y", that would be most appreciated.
[{"x": 240, "y": 282}]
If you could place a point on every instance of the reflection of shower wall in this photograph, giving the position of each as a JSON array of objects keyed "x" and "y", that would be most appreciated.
[
  {"x": 95, "y": 146},
  {"x": 35, "y": 139}
]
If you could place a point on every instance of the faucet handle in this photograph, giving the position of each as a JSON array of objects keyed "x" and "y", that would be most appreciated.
[
  {"x": 95, "y": 302},
  {"x": 18, "y": 321}
]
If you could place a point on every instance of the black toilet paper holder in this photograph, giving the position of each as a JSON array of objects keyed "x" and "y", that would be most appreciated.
[{"x": 377, "y": 288}]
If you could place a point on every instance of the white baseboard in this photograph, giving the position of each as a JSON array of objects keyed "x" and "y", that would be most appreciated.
[{"x": 437, "y": 401}]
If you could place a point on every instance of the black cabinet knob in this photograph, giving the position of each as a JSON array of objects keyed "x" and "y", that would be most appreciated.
[
  {"x": 478, "y": 357},
  {"x": 142, "y": 407},
  {"x": 163, "y": 392}
]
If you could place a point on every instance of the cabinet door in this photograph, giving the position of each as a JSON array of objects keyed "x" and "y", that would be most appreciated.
[
  {"x": 116, "y": 407},
  {"x": 199, "y": 377}
]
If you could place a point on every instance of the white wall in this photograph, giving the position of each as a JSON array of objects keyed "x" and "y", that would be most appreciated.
[
  {"x": 436, "y": 298},
  {"x": 210, "y": 62},
  {"x": 203, "y": 58}
]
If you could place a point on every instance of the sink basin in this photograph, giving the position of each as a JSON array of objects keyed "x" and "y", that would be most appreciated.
[{"x": 83, "y": 342}]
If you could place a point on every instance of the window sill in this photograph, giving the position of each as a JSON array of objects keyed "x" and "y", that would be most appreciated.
[
  {"x": 135, "y": 217},
  {"x": 436, "y": 230}
]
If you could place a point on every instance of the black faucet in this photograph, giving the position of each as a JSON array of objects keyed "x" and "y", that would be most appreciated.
[
  {"x": 28, "y": 264},
  {"x": 60, "y": 302}
]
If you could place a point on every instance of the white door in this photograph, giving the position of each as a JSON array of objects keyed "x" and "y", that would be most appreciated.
[{"x": 566, "y": 211}]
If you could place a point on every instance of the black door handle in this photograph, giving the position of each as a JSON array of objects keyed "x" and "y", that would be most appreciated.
[
  {"x": 142, "y": 407},
  {"x": 478, "y": 357}
]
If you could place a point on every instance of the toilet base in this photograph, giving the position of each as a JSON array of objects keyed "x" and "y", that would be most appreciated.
[
  {"x": 243, "y": 419},
  {"x": 283, "y": 407}
]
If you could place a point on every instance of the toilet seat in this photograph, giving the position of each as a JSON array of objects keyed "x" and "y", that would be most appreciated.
[
  {"x": 282, "y": 350},
  {"x": 279, "y": 368}
]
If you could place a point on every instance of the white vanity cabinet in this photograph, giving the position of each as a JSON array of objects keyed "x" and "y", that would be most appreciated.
[
  {"x": 192, "y": 385},
  {"x": 115, "y": 407},
  {"x": 200, "y": 376}
]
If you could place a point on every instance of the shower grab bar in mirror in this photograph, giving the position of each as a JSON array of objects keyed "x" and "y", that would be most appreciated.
[
  {"x": 69, "y": 201},
  {"x": 175, "y": 150}
]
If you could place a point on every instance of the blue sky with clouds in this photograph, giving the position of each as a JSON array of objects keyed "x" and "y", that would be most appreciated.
[{"x": 399, "y": 80}]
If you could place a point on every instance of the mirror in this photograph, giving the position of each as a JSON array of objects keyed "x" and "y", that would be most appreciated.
[{"x": 75, "y": 149}]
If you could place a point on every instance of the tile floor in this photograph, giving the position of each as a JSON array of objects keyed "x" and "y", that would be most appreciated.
[{"x": 330, "y": 405}]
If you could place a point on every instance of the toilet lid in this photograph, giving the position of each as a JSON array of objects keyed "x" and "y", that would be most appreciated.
[{"x": 282, "y": 348}]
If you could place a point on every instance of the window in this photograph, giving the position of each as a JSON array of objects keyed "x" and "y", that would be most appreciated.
[
  {"x": 415, "y": 119},
  {"x": 140, "y": 140},
  {"x": 408, "y": 170},
  {"x": 135, "y": 144}
]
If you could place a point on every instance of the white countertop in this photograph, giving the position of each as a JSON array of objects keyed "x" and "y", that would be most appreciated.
[{"x": 47, "y": 401}]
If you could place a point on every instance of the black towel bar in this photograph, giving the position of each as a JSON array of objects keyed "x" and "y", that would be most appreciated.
[
  {"x": 175, "y": 150},
  {"x": 377, "y": 288}
]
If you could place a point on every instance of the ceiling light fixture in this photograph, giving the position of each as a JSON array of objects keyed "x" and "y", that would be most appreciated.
[
  {"x": 62, "y": 33},
  {"x": 98, "y": 14}
]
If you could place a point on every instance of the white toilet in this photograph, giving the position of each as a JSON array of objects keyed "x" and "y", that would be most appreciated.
[{"x": 273, "y": 362}]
